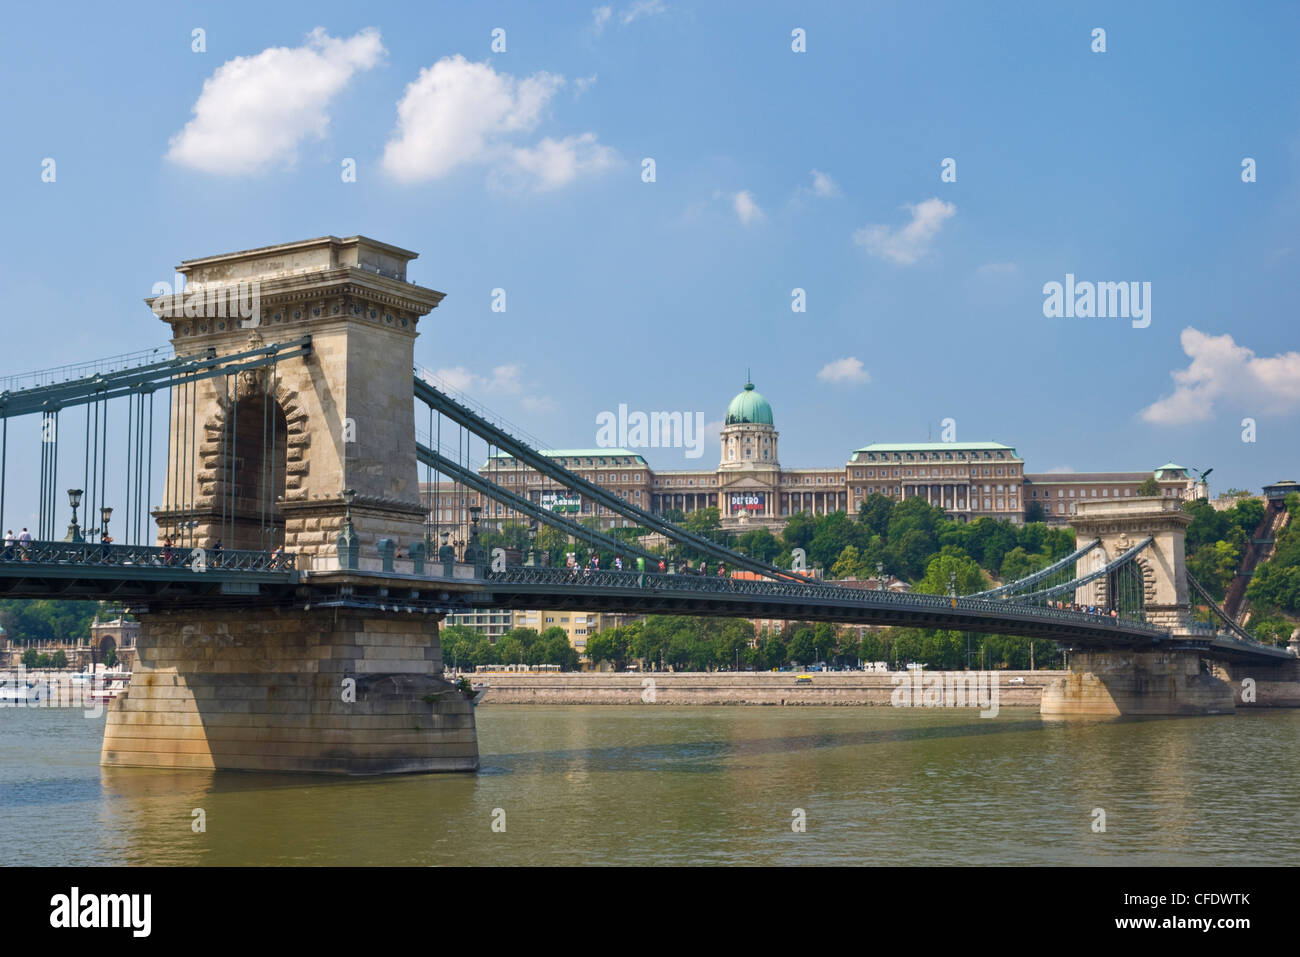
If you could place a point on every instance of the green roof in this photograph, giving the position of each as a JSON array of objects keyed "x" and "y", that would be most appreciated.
[
  {"x": 1170, "y": 465},
  {"x": 749, "y": 407},
  {"x": 935, "y": 447}
]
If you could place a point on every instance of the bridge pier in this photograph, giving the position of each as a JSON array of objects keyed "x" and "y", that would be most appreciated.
[
  {"x": 337, "y": 691},
  {"x": 1113, "y": 683},
  {"x": 1262, "y": 686}
]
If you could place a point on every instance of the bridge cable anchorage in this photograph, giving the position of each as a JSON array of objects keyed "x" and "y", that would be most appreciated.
[
  {"x": 1079, "y": 582},
  {"x": 487, "y": 430},
  {"x": 1037, "y": 576},
  {"x": 469, "y": 478}
]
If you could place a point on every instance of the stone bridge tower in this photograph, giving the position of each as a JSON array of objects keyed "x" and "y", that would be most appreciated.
[
  {"x": 1174, "y": 678},
  {"x": 1121, "y": 524},
  {"x": 318, "y": 676},
  {"x": 262, "y": 458}
]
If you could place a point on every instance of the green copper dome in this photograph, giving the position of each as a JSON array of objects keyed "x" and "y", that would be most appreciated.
[{"x": 749, "y": 407}]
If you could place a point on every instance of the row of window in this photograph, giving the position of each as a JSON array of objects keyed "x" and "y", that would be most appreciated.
[{"x": 933, "y": 456}]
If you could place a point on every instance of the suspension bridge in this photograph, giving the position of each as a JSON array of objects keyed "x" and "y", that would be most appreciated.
[{"x": 289, "y": 573}]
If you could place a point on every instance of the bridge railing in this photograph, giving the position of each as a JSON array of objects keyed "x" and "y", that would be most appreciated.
[
  {"x": 94, "y": 554},
  {"x": 688, "y": 583}
]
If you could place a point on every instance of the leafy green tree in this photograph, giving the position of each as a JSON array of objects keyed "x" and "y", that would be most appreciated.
[
  {"x": 30, "y": 657},
  {"x": 1149, "y": 487},
  {"x": 774, "y": 655},
  {"x": 1019, "y": 563},
  {"x": 941, "y": 568},
  {"x": 849, "y": 564},
  {"x": 1034, "y": 512},
  {"x": 759, "y": 543},
  {"x": 832, "y": 534},
  {"x": 799, "y": 531},
  {"x": 802, "y": 648},
  {"x": 874, "y": 513},
  {"x": 110, "y": 658},
  {"x": 59, "y": 659},
  {"x": 511, "y": 651}
]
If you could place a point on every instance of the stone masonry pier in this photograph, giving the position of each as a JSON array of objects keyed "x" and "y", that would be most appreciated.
[{"x": 334, "y": 691}]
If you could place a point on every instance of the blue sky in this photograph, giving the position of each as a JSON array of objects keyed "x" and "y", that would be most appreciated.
[{"x": 522, "y": 170}]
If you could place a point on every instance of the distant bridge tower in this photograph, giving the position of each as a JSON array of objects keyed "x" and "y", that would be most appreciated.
[
  {"x": 1174, "y": 678},
  {"x": 1122, "y": 524},
  {"x": 262, "y": 458}
]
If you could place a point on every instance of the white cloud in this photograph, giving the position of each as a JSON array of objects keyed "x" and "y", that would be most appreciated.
[
  {"x": 504, "y": 379},
  {"x": 907, "y": 245},
  {"x": 1060, "y": 470},
  {"x": 848, "y": 370},
  {"x": 457, "y": 112},
  {"x": 554, "y": 163},
  {"x": 599, "y": 18},
  {"x": 823, "y": 185},
  {"x": 1222, "y": 369},
  {"x": 254, "y": 111},
  {"x": 457, "y": 377},
  {"x": 747, "y": 208},
  {"x": 642, "y": 8},
  {"x": 582, "y": 84},
  {"x": 538, "y": 403}
]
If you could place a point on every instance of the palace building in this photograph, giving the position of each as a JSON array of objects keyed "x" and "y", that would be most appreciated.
[{"x": 750, "y": 487}]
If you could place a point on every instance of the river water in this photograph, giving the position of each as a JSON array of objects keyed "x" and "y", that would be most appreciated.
[{"x": 659, "y": 785}]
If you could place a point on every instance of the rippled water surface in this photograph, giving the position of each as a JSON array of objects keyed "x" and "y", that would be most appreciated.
[{"x": 657, "y": 785}]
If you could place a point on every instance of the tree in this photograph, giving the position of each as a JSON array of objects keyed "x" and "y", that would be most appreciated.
[
  {"x": 608, "y": 645},
  {"x": 799, "y": 531},
  {"x": 849, "y": 564},
  {"x": 1034, "y": 513},
  {"x": 802, "y": 648},
  {"x": 874, "y": 513},
  {"x": 1149, "y": 487},
  {"x": 774, "y": 655},
  {"x": 511, "y": 651},
  {"x": 110, "y": 658},
  {"x": 759, "y": 543},
  {"x": 1019, "y": 563},
  {"x": 59, "y": 659},
  {"x": 941, "y": 568},
  {"x": 30, "y": 657}
]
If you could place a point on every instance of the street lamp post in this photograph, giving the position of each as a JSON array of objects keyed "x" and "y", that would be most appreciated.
[
  {"x": 880, "y": 574},
  {"x": 74, "y": 530}
]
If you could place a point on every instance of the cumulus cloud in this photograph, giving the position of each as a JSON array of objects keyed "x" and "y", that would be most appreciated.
[
  {"x": 1220, "y": 368},
  {"x": 582, "y": 84},
  {"x": 844, "y": 371},
  {"x": 747, "y": 208},
  {"x": 554, "y": 163},
  {"x": 600, "y": 18},
  {"x": 254, "y": 111},
  {"x": 823, "y": 185},
  {"x": 503, "y": 380},
  {"x": 458, "y": 113},
  {"x": 1060, "y": 470},
  {"x": 908, "y": 244}
]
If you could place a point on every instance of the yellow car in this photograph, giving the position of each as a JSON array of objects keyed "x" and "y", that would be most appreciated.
[{"x": 803, "y": 680}]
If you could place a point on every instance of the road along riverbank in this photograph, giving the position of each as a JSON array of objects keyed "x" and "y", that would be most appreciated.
[{"x": 906, "y": 689}]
